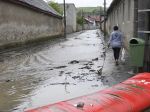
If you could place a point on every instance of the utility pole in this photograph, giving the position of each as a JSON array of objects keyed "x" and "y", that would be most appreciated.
[
  {"x": 82, "y": 20},
  {"x": 100, "y": 18},
  {"x": 64, "y": 19},
  {"x": 104, "y": 19}
]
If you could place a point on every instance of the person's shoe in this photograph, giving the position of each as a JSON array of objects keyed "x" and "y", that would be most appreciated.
[{"x": 117, "y": 63}]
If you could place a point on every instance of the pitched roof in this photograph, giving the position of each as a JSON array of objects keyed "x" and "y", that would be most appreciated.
[{"x": 38, "y": 5}]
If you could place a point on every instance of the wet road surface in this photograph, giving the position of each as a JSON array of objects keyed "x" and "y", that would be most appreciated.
[{"x": 60, "y": 69}]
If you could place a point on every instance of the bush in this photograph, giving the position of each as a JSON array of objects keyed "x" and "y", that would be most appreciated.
[{"x": 56, "y": 7}]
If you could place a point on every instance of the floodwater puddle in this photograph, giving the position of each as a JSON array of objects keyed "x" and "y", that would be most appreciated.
[{"x": 57, "y": 70}]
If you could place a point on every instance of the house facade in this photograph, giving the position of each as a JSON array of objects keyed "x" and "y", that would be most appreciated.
[
  {"x": 70, "y": 18},
  {"x": 92, "y": 22},
  {"x": 89, "y": 23},
  {"x": 71, "y": 25},
  {"x": 27, "y": 20}
]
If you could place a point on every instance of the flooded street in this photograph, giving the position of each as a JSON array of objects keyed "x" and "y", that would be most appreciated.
[{"x": 60, "y": 69}]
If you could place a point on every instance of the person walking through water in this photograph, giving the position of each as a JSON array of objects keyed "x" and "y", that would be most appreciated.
[{"x": 116, "y": 42}]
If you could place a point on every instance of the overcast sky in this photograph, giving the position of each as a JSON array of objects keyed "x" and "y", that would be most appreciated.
[{"x": 85, "y": 3}]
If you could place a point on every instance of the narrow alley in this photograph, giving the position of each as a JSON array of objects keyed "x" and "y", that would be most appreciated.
[
  {"x": 68, "y": 56},
  {"x": 37, "y": 75},
  {"x": 42, "y": 74}
]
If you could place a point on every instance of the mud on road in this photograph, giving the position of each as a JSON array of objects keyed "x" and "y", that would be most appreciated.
[{"x": 56, "y": 70}]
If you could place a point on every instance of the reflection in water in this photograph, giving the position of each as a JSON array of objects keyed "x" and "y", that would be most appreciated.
[{"x": 36, "y": 75}]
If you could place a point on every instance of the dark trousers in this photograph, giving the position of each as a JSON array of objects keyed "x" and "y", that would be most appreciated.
[{"x": 116, "y": 53}]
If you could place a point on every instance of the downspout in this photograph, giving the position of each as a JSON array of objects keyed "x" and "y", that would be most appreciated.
[{"x": 135, "y": 21}]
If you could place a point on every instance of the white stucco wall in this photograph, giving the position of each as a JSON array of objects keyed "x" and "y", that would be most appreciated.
[
  {"x": 71, "y": 25},
  {"x": 71, "y": 18}
]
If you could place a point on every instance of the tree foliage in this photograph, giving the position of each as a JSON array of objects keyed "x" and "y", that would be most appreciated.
[
  {"x": 80, "y": 20},
  {"x": 56, "y": 7},
  {"x": 80, "y": 17},
  {"x": 91, "y": 10}
]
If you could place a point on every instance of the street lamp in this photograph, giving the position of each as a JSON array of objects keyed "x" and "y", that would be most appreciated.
[{"x": 64, "y": 19}]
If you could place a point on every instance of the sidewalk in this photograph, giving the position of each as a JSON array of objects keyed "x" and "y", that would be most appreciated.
[{"x": 113, "y": 74}]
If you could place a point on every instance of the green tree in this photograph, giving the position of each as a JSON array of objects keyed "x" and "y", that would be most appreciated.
[
  {"x": 80, "y": 20},
  {"x": 56, "y": 7}
]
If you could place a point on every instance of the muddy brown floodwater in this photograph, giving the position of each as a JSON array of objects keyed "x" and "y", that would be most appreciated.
[{"x": 60, "y": 69}]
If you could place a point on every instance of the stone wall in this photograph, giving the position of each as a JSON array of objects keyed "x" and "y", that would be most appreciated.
[
  {"x": 19, "y": 24},
  {"x": 122, "y": 15}
]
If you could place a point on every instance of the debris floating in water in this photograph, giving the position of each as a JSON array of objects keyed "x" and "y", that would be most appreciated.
[{"x": 100, "y": 71}]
